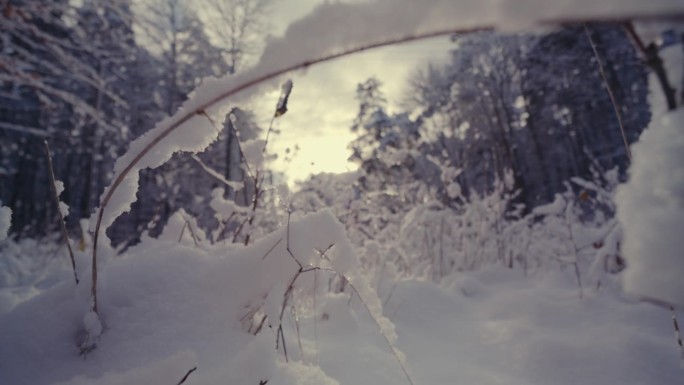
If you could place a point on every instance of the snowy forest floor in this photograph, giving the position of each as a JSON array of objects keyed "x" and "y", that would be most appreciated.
[{"x": 490, "y": 326}]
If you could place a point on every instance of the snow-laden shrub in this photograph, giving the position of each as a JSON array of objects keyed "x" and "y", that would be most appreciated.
[{"x": 577, "y": 232}]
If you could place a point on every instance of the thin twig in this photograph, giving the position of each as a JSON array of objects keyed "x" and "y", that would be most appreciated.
[
  {"x": 239, "y": 230},
  {"x": 678, "y": 335},
  {"x": 180, "y": 236},
  {"x": 59, "y": 211},
  {"x": 268, "y": 133},
  {"x": 185, "y": 377},
  {"x": 261, "y": 325},
  {"x": 213, "y": 172},
  {"x": 613, "y": 101},
  {"x": 315, "y": 314},
  {"x": 192, "y": 232},
  {"x": 271, "y": 249},
  {"x": 222, "y": 234}
]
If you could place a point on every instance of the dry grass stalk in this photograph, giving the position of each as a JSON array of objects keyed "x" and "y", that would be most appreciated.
[{"x": 65, "y": 235}]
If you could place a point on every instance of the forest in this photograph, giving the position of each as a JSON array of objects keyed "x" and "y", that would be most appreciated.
[{"x": 514, "y": 215}]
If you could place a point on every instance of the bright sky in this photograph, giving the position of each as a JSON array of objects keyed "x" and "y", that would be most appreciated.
[{"x": 322, "y": 105}]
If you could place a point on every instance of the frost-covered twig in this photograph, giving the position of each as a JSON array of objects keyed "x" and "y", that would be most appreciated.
[
  {"x": 188, "y": 225},
  {"x": 59, "y": 211},
  {"x": 678, "y": 335},
  {"x": 213, "y": 172},
  {"x": 281, "y": 108}
]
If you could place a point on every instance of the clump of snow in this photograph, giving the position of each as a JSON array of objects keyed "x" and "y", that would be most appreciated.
[
  {"x": 554, "y": 208},
  {"x": 651, "y": 211},
  {"x": 5, "y": 221},
  {"x": 93, "y": 330},
  {"x": 454, "y": 190},
  {"x": 281, "y": 106},
  {"x": 63, "y": 207},
  {"x": 224, "y": 207}
]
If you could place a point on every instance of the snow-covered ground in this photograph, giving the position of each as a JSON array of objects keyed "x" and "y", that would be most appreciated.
[{"x": 169, "y": 308}]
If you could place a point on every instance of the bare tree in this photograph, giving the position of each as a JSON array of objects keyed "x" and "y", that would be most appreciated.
[
  {"x": 172, "y": 30},
  {"x": 237, "y": 26}
]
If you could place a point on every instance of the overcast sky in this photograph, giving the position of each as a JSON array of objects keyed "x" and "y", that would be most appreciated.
[{"x": 322, "y": 105}]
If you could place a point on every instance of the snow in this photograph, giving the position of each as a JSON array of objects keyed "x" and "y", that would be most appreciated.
[
  {"x": 28, "y": 267},
  {"x": 167, "y": 371},
  {"x": 165, "y": 297},
  {"x": 651, "y": 210},
  {"x": 178, "y": 302},
  {"x": 168, "y": 310},
  {"x": 506, "y": 329},
  {"x": 224, "y": 208},
  {"x": 556, "y": 207},
  {"x": 5, "y": 221}
]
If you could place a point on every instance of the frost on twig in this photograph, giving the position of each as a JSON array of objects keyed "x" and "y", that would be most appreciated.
[
  {"x": 92, "y": 329},
  {"x": 281, "y": 107}
]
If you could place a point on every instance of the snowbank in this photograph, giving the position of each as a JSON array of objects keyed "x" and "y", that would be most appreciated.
[
  {"x": 5, "y": 221},
  {"x": 495, "y": 327},
  {"x": 651, "y": 211},
  {"x": 168, "y": 306}
]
